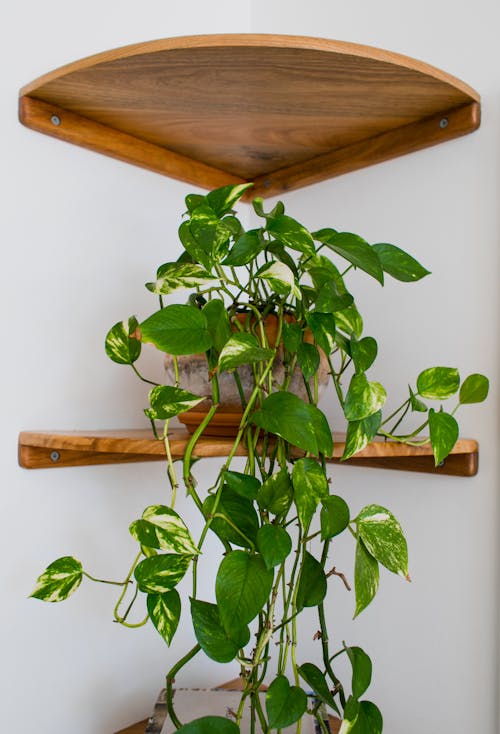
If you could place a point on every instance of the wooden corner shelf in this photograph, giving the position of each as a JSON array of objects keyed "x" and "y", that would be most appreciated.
[
  {"x": 281, "y": 111},
  {"x": 39, "y": 450}
]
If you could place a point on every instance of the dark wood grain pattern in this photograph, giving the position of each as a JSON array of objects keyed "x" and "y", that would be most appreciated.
[
  {"x": 285, "y": 111},
  {"x": 48, "y": 449}
]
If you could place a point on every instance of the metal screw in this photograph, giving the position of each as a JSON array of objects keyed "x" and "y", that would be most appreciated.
[
  {"x": 55, "y": 456},
  {"x": 55, "y": 120},
  {"x": 267, "y": 183},
  {"x": 443, "y": 122},
  {"x": 441, "y": 463}
]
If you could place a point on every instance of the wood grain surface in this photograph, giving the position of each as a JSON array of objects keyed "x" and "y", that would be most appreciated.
[
  {"x": 52, "y": 449},
  {"x": 284, "y": 111}
]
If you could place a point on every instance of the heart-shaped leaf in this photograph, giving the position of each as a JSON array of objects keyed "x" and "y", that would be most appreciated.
[
  {"x": 398, "y": 263},
  {"x": 165, "y": 611},
  {"x": 276, "y": 493},
  {"x": 242, "y": 587},
  {"x": 161, "y": 527},
  {"x": 59, "y": 580},
  {"x": 177, "y": 329},
  {"x": 211, "y": 635},
  {"x": 285, "y": 704},
  {"x": 361, "y": 670},
  {"x": 334, "y": 516},
  {"x": 443, "y": 433},
  {"x": 158, "y": 574},
  {"x": 209, "y": 725},
  {"x": 174, "y": 276},
  {"x": 366, "y": 577},
  {"x": 363, "y": 398},
  {"x": 383, "y": 538},
  {"x": 310, "y": 485},
  {"x": 312, "y": 583},
  {"x": 438, "y": 383},
  {"x": 121, "y": 344},
  {"x": 474, "y": 389},
  {"x": 274, "y": 544},
  {"x": 315, "y": 678},
  {"x": 168, "y": 401},
  {"x": 298, "y": 422},
  {"x": 242, "y": 348}
]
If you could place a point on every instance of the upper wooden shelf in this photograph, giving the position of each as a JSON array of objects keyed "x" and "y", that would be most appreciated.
[
  {"x": 44, "y": 449},
  {"x": 282, "y": 111}
]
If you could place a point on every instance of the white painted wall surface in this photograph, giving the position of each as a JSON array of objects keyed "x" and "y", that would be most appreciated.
[{"x": 81, "y": 233}]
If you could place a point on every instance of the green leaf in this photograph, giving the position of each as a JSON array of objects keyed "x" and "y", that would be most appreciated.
[
  {"x": 443, "y": 433},
  {"x": 322, "y": 326},
  {"x": 334, "y": 516},
  {"x": 177, "y": 329},
  {"x": 276, "y": 493},
  {"x": 243, "y": 484},
  {"x": 242, "y": 348},
  {"x": 361, "y": 670},
  {"x": 120, "y": 346},
  {"x": 162, "y": 528},
  {"x": 438, "y": 383},
  {"x": 285, "y": 704},
  {"x": 329, "y": 300},
  {"x": 369, "y": 719},
  {"x": 242, "y": 588},
  {"x": 167, "y": 401},
  {"x": 310, "y": 485},
  {"x": 312, "y": 583},
  {"x": 211, "y": 635},
  {"x": 308, "y": 359},
  {"x": 224, "y": 198},
  {"x": 210, "y": 725},
  {"x": 474, "y": 389},
  {"x": 172, "y": 277},
  {"x": 196, "y": 252},
  {"x": 399, "y": 264},
  {"x": 278, "y": 250},
  {"x": 355, "y": 250},
  {"x": 298, "y": 422},
  {"x": 246, "y": 248},
  {"x": 416, "y": 404},
  {"x": 59, "y": 580},
  {"x": 383, "y": 538},
  {"x": 193, "y": 201},
  {"x": 218, "y": 325},
  {"x": 349, "y": 320},
  {"x": 280, "y": 278},
  {"x": 366, "y": 577},
  {"x": 360, "y": 433},
  {"x": 210, "y": 233},
  {"x": 239, "y": 511},
  {"x": 165, "y": 611},
  {"x": 274, "y": 544},
  {"x": 363, "y": 398},
  {"x": 317, "y": 681},
  {"x": 364, "y": 352},
  {"x": 291, "y": 233},
  {"x": 158, "y": 574},
  {"x": 351, "y": 712}
]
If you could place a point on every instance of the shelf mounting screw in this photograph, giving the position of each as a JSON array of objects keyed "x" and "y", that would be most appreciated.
[
  {"x": 55, "y": 120},
  {"x": 443, "y": 122},
  {"x": 55, "y": 456}
]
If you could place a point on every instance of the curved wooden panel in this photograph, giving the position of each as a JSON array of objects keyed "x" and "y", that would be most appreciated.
[{"x": 222, "y": 109}]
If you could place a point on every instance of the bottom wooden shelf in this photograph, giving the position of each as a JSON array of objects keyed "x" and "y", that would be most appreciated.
[
  {"x": 46, "y": 449},
  {"x": 154, "y": 724}
]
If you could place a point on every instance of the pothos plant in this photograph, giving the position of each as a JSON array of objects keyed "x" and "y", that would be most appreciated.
[{"x": 276, "y": 519}]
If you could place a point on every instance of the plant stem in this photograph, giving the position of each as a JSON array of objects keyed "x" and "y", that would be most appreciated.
[{"x": 171, "y": 679}]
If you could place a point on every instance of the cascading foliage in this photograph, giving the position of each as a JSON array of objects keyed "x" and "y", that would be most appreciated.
[{"x": 275, "y": 520}]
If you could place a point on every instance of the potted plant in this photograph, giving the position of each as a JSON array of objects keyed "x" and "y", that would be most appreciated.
[{"x": 267, "y": 306}]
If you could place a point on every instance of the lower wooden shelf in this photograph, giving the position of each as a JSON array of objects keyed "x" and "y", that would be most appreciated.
[{"x": 46, "y": 449}]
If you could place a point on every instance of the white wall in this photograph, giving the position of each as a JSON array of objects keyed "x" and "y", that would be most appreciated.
[{"x": 81, "y": 233}]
